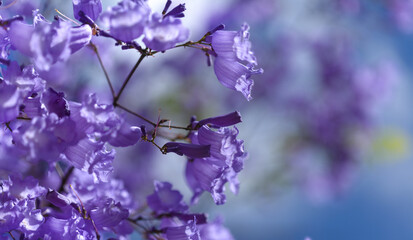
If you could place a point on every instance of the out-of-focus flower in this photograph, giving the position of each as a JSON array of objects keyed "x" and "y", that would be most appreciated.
[
  {"x": 127, "y": 20},
  {"x": 47, "y": 43},
  {"x": 92, "y": 8},
  {"x": 163, "y": 33}
]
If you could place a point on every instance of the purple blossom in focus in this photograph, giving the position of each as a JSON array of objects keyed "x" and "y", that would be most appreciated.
[
  {"x": 210, "y": 174},
  {"x": 235, "y": 62}
]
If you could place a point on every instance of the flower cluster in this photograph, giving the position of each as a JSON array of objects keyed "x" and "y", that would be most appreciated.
[{"x": 57, "y": 171}]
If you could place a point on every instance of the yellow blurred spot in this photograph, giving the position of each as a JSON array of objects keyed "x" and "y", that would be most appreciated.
[{"x": 391, "y": 146}]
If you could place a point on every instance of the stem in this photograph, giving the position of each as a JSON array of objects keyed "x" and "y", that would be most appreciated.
[
  {"x": 156, "y": 145},
  {"x": 176, "y": 127},
  {"x": 137, "y": 224},
  {"x": 197, "y": 45},
  {"x": 24, "y": 118},
  {"x": 95, "y": 49},
  {"x": 5, "y": 7},
  {"x": 96, "y": 229},
  {"x": 59, "y": 170},
  {"x": 149, "y": 121},
  {"x": 137, "y": 115},
  {"x": 8, "y": 126},
  {"x": 11, "y": 235},
  {"x": 115, "y": 100},
  {"x": 65, "y": 179}
]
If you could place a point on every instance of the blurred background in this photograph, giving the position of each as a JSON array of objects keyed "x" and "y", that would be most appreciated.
[{"x": 329, "y": 128}]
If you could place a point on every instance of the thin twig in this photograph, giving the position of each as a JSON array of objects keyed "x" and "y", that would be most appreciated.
[
  {"x": 59, "y": 170},
  {"x": 115, "y": 100},
  {"x": 95, "y": 49},
  {"x": 156, "y": 145},
  {"x": 96, "y": 229},
  {"x": 24, "y": 118},
  {"x": 8, "y": 5},
  {"x": 176, "y": 127},
  {"x": 8, "y": 126},
  {"x": 149, "y": 121},
  {"x": 137, "y": 224},
  {"x": 137, "y": 115},
  {"x": 11, "y": 235},
  {"x": 65, "y": 179},
  {"x": 67, "y": 18}
]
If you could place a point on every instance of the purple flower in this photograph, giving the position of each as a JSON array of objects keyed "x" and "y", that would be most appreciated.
[
  {"x": 220, "y": 121},
  {"x": 20, "y": 35},
  {"x": 163, "y": 33},
  {"x": 65, "y": 225},
  {"x": 92, "y": 8},
  {"x": 234, "y": 62},
  {"x": 44, "y": 137},
  {"x": 91, "y": 156},
  {"x": 126, "y": 135},
  {"x": 47, "y": 43},
  {"x": 100, "y": 120},
  {"x": 188, "y": 231},
  {"x": 166, "y": 200},
  {"x": 80, "y": 36},
  {"x": 10, "y": 99},
  {"x": 18, "y": 205},
  {"x": 89, "y": 190},
  {"x": 106, "y": 213},
  {"x": 401, "y": 13},
  {"x": 33, "y": 217},
  {"x": 176, "y": 12},
  {"x": 4, "y": 44},
  {"x": 56, "y": 103},
  {"x": 226, "y": 149},
  {"x": 189, "y": 150},
  {"x": 214, "y": 231},
  {"x": 27, "y": 188},
  {"x": 203, "y": 175},
  {"x": 50, "y": 43},
  {"x": 210, "y": 174},
  {"x": 11, "y": 216},
  {"x": 127, "y": 20},
  {"x": 57, "y": 199}
]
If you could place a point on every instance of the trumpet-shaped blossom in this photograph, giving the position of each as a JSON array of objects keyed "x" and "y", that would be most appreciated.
[
  {"x": 234, "y": 63},
  {"x": 211, "y": 173}
]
